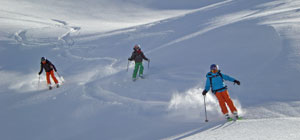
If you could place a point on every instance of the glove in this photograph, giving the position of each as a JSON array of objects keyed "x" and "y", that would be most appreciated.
[
  {"x": 204, "y": 92},
  {"x": 129, "y": 59},
  {"x": 237, "y": 82},
  {"x": 39, "y": 73}
]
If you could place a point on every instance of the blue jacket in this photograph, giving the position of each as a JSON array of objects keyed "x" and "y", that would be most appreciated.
[{"x": 217, "y": 81}]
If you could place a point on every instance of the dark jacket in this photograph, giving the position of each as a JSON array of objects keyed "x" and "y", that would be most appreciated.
[
  {"x": 138, "y": 56},
  {"x": 48, "y": 66}
]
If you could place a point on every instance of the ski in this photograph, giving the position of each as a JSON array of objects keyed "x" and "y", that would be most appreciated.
[
  {"x": 140, "y": 77},
  {"x": 239, "y": 118},
  {"x": 234, "y": 119},
  {"x": 56, "y": 86},
  {"x": 229, "y": 119}
]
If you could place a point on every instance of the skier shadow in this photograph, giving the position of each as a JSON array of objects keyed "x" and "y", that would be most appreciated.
[
  {"x": 211, "y": 127},
  {"x": 223, "y": 125}
]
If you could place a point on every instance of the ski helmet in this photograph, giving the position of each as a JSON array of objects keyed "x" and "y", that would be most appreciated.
[
  {"x": 137, "y": 46},
  {"x": 43, "y": 59},
  {"x": 214, "y": 67}
]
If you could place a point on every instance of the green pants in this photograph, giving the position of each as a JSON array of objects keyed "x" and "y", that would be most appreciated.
[{"x": 138, "y": 66}]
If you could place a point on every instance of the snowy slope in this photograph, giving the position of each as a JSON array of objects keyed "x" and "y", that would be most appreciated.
[
  {"x": 251, "y": 129},
  {"x": 89, "y": 42}
]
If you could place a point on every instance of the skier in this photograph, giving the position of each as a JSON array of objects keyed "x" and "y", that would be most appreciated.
[
  {"x": 138, "y": 56},
  {"x": 215, "y": 81},
  {"x": 49, "y": 68}
]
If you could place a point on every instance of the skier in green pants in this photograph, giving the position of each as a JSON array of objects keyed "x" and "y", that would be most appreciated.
[{"x": 138, "y": 56}]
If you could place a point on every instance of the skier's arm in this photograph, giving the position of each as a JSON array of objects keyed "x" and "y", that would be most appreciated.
[
  {"x": 207, "y": 85},
  {"x": 41, "y": 69},
  {"x": 144, "y": 57},
  {"x": 54, "y": 68},
  {"x": 132, "y": 57},
  {"x": 228, "y": 78},
  {"x": 51, "y": 65}
]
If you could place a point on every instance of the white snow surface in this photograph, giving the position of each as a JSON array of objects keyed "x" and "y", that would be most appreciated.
[{"x": 254, "y": 41}]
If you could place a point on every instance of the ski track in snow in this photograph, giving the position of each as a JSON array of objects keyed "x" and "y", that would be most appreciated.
[
  {"x": 288, "y": 130},
  {"x": 228, "y": 130},
  {"x": 67, "y": 39},
  {"x": 64, "y": 39},
  {"x": 109, "y": 96},
  {"x": 213, "y": 6},
  {"x": 225, "y": 20},
  {"x": 20, "y": 36}
]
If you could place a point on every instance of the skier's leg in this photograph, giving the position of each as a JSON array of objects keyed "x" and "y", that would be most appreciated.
[
  {"x": 136, "y": 68},
  {"x": 222, "y": 103},
  {"x": 141, "y": 70},
  {"x": 229, "y": 102},
  {"x": 53, "y": 77},
  {"x": 48, "y": 78}
]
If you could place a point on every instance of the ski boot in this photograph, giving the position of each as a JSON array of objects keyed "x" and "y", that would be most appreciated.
[
  {"x": 57, "y": 85},
  {"x": 236, "y": 116},
  {"x": 133, "y": 79},
  {"x": 227, "y": 117},
  {"x": 141, "y": 75},
  {"x": 50, "y": 87}
]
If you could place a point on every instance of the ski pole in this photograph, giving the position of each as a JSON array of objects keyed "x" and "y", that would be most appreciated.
[
  {"x": 60, "y": 77},
  {"x": 39, "y": 83},
  {"x": 127, "y": 65},
  {"x": 205, "y": 110},
  {"x": 58, "y": 74},
  {"x": 148, "y": 64}
]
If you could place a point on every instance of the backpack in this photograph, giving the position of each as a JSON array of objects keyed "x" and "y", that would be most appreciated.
[{"x": 210, "y": 79}]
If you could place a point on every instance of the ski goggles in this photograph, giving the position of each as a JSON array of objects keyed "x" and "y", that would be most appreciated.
[{"x": 214, "y": 69}]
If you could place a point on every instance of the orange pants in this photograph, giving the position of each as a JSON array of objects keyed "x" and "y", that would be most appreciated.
[
  {"x": 223, "y": 98},
  {"x": 53, "y": 77}
]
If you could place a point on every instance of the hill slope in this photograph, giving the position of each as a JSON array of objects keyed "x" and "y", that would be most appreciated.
[{"x": 254, "y": 41}]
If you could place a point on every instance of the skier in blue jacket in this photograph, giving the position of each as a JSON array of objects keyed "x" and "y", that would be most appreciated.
[{"x": 215, "y": 82}]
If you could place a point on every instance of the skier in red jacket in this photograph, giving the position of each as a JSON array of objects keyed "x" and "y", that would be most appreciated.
[{"x": 49, "y": 68}]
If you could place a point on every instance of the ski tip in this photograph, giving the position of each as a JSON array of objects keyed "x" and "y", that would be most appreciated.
[{"x": 229, "y": 119}]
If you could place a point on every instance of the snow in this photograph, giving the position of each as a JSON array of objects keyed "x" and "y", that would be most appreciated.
[
  {"x": 268, "y": 128},
  {"x": 256, "y": 42}
]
